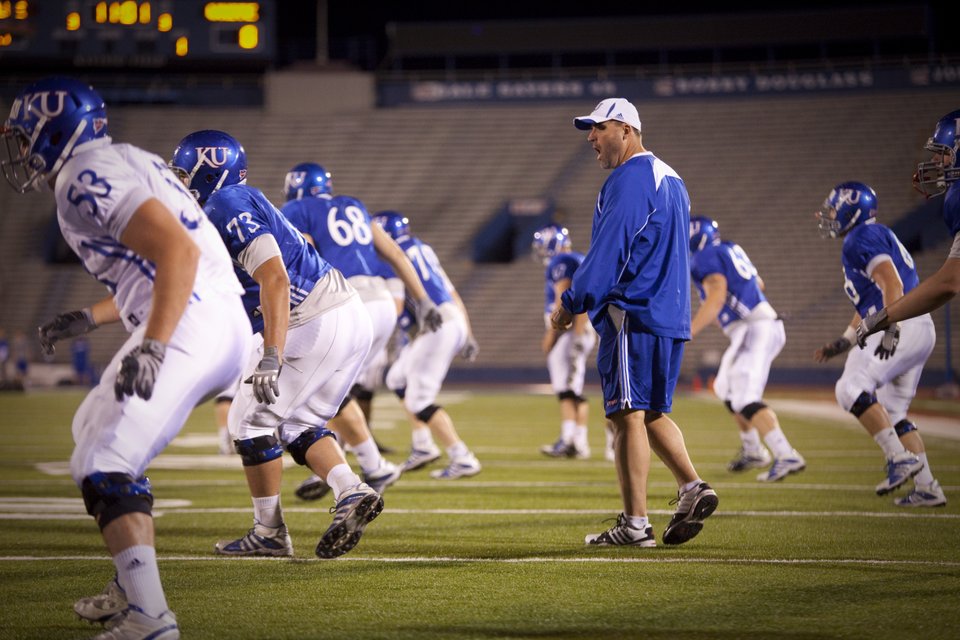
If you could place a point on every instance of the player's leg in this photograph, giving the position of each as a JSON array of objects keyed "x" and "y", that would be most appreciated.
[
  {"x": 752, "y": 454},
  {"x": 575, "y": 381},
  {"x": 351, "y": 427},
  {"x": 115, "y": 441},
  {"x": 558, "y": 367},
  {"x": 856, "y": 390}
]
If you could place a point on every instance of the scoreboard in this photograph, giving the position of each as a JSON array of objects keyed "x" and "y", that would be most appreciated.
[{"x": 181, "y": 34}]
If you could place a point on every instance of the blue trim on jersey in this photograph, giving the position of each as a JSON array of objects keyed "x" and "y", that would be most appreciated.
[
  {"x": 861, "y": 245},
  {"x": 427, "y": 266},
  {"x": 346, "y": 240},
  {"x": 730, "y": 261},
  {"x": 241, "y": 214},
  {"x": 561, "y": 267}
]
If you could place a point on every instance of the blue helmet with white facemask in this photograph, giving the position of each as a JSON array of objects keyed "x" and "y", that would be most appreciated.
[
  {"x": 704, "y": 232},
  {"x": 549, "y": 241},
  {"x": 934, "y": 176},
  {"x": 393, "y": 222},
  {"x": 307, "y": 179},
  {"x": 848, "y": 205},
  {"x": 47, "y": 121},
  {"x": 209, "y": 160}
]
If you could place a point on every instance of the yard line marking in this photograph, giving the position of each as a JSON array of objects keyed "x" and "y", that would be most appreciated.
[{"x": 534, "y": 560}]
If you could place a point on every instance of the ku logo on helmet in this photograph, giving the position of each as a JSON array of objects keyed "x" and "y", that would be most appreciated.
[
  {"x": 848, "y": 196},
  {"x": 39, "y": 104},
  {"x": 213, "y": 156}
]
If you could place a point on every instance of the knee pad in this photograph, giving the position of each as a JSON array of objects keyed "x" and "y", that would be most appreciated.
[
  {"x": 425, "y": 414},
  {"x": 751, "y": 409},
  {"x": 904, "y": 427},
  {"x": 298, "y": 448},
  {"x": 863, "y": 402},
  {"x": 254, "y": 451},
  {"x": 729, "y": 406},
  {"x": 361, "y": 393},
  {"x": 580, "y": 400},
  {"x": 401, "y": 392},
  {"x": 567, "y": 395},
  {"x": 108, "y": 496}
]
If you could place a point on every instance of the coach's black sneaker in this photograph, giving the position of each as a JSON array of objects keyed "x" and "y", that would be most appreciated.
[{"x": 693, "y": 507}]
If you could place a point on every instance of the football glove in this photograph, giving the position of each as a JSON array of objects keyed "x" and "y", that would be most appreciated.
[
  {"x": 264, "y": 380},
  {"x": 470, "y": 349},
  {"x": 65, "y": 325},
  {"x": 835, "y": 348},
  {"x": 427, "y": 315},
  {"x": 139, "y": 369},
  {"x": 870, "y": 325},
  {"x": 888, "y": 343}
]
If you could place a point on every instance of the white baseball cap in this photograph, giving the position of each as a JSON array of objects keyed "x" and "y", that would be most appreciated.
[{"x": 610, "y": 109}]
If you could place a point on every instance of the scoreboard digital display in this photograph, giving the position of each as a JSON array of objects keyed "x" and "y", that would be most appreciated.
[{"x": 137, "y": 33}]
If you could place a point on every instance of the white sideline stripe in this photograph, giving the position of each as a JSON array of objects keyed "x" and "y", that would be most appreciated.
[{"x": 535, "y": 560}]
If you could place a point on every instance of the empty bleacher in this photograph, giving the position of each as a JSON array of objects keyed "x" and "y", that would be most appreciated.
[{"x": 760, "y": 166}]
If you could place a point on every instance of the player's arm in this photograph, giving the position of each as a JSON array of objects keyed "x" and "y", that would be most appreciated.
[
  {"x": 841, "y": 344},
  {"x": 470, "y": 348},
  {"x": 715, "y": 295},
  {"x": 274, "y": 302},
  {"x": 930, "y": 294},
  {"x": 761, "y": 283},
  {"x": 155, "y": 234},
  {"x": 428, "y": 317},
  {"x": 551, "y": 335},
  {"x": 309, "y": 239}
]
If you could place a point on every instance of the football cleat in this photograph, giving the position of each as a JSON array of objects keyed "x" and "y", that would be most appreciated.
[
  {"x": 419, "y": 458},
  {"x": 350, "y": 517},
  {"x": 693, "y": 507},
  {"x": 383, "y": 477},
  {"x": 558, "y": 449},
  {"x": 622, "y": 534},
  {"x": 134, "y": 624},
  {"x": 462, "y": 467},
  {"x": 749, "y": 460},
  {"x": 923, "y": 495},
  {"x": 103, "y": 606},
  {"x": 258, "y": 541},
  {"x": 313, "y": 488},
  {"x": 782, "y": 467},
  {"x": 900, "y": 468}
]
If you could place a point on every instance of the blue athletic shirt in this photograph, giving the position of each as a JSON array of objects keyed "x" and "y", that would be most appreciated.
[
  {"x": 560, "y": 267},
  {"x": 428, "y": 267},
  {"x": 242, "y": 213},
  {"x": 340, "y": 228},
  {"x": 860, "y": 246},
  {"x": 730, "y": 261},
  {"x": 638, "y": 259}
]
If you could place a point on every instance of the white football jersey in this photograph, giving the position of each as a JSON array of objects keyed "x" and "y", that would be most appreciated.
[{"x": 98, "y": 190}]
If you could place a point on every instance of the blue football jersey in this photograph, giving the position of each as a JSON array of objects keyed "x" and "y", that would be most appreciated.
[
  {"x": 561, "y": 267},
  {"x": 864, "y": 243},
  {"x": 730, "y": 261},
  {"x": 951, "y": 209},
  {"x": 638, "y": 259},
  {"x": 242, "y": 213},
  {"x": 340, "y": 228},
  {"x": 428, "y": 267}
]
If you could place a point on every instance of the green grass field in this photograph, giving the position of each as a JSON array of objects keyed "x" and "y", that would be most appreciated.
[{"x": 500, "y": 555}]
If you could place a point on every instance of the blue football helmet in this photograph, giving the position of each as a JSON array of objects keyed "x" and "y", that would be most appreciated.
[
  {"x": 47, "y": 121},
  {"x": 704, "y": 232},
  {"x": 849, "y": 204},
  {"x": 549, "y": 241},
  {"x": 933, "y": 176},
  {"x": 307, "y": 179},
  {"x": 209, "y": 160},
  {"x": 393, "y": 222}
]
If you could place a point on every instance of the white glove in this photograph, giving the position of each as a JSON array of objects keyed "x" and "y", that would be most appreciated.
[{"x": 427, "y": 315}]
